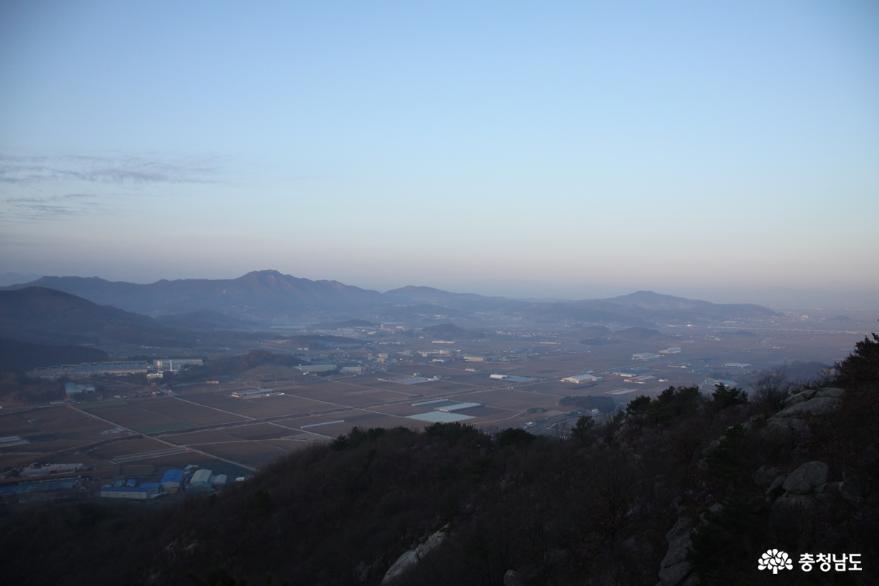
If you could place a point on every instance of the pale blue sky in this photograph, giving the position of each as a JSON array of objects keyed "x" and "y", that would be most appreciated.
[{"x": 539, "y": 148}]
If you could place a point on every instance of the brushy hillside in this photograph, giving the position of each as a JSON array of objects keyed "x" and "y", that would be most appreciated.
[
  {"x": 18, "y": 356},
  {"x": 679, "y": 489},
  {"x": 45, "y": 316}
]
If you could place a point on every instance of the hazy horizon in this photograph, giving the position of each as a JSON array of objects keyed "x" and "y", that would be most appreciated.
[
  {"x": 723, "y": 152},
  {"x": 776, "y": 298}
]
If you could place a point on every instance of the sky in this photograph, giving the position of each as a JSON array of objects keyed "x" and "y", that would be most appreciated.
[{"x": 538, "y": 149}]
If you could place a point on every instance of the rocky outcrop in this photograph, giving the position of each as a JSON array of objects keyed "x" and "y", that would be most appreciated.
[
  {"x": 675, "y": 569},
  {"x": 786, "y": 430},
  {"x": 790, "y": 426},
  {"x": 513, "y": 578},
  {"x": 804, "y": 489},
  {"x": 775, "y": 487},
  {"x": 410, "y": 558},
  {"x": 811, "y": 402},
  {"x": 790, "y": 502}
]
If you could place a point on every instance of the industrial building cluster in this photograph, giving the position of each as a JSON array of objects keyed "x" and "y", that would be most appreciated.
[
  {"x": 153, "y": 370},
  {"x": 60, "y": 481},
  {"x": 190, "y": 478}
]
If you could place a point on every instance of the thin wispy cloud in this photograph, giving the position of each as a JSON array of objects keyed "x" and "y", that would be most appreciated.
[
  {"x": 35, "y": 188},
  {"x": 51, "y": 207},
  {"x": 123, "y": 169}
]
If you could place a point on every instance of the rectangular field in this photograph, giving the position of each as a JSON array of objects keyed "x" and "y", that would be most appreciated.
[
  {"x": 161, "y": 415},
  {"x": 274, "y": 406},
  {"x": 256, "y": 431},
  {"x": 256, "y": 453},
  {"x": 48, "y": 431}
]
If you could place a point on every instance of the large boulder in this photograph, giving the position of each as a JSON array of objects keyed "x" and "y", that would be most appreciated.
[
  {"x": 775, "y": 487},
  {"x": 830, "y": 392},
  {"x": 814, "y": 406},
  {"x": 790, "y": 502},
  {"x": 800, "y": 396},
  {"x": 790, "y": 425},
  {"x": 811, "y": 402},
  {"x": 785, "y": 430},
  {"x": 806, "y": 478}
]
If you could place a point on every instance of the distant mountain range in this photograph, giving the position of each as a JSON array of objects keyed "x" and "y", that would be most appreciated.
[
  {"x": 428, "y": 296},
  {"x": 259, "y": 295},
  {"x": 652, "y": 307},
  {"x": 272, "y": 297}
]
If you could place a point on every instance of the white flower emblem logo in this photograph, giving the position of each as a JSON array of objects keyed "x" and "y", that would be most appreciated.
[{"x": 774, "y": 560}]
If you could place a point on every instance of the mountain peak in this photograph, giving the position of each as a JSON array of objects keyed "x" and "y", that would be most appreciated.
[
  {"x": 263, "y": 273},
  {"x": 645, "y": 294},
  {"x": 416, "y": 289}
]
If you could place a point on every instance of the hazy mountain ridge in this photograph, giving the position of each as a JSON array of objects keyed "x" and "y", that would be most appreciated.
[
  {"x": 260, "y": 295},
  {"x": 420, "y": 295},
  {"x": 270, "y": 296},
  {"x": 647, "y": 309},
  {"x": 652, "y": 302}
]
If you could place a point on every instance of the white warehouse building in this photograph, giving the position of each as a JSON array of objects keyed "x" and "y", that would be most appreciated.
[{"x": 579, "y": 379}]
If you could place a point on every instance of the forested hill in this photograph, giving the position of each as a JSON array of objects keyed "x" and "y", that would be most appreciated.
[{"x": 679, "y": 489}]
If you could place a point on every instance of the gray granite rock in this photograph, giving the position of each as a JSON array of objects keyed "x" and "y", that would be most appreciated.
[
  {"x": 675, "y": 569},
  {"x": 513, "y": 578},
  {"x": 813, "y": 406},
  {"x": 806, "y": 478},
  {"x": 410, "y": 558}
]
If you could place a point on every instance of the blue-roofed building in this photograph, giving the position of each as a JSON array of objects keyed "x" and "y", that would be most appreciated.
[
  {"x": 20, "y": 489},
  {"x": 145, "y": 491},
  {"x": 172, "y": 479}
]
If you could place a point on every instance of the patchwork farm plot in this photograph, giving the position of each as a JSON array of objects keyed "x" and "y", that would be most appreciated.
[
  {"x": 258, "y": 408},
  {"x": 255, "y": 454},
  {"x": 160, "y": 415},
  {"x": 49, "y": 430},
  {"x": 253, "y": 417},
  {"x": 232, "y": 433}
]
